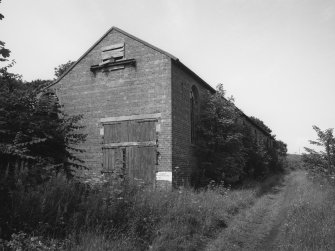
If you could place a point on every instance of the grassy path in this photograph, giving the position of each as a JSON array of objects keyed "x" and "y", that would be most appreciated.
[{"x": 259, "y": 227}]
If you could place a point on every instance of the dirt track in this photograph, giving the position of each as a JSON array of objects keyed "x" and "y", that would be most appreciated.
[{"x": 258, "y": 228}]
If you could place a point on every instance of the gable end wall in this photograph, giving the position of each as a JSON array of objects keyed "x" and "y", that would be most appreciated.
[{"x": 134, "y": 90}]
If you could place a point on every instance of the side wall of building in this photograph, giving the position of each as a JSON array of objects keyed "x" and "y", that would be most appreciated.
[
  {"x": 134, "y": 90},
  {"x": 257, "y": 133},
  {"x": 184, "y": 152}
]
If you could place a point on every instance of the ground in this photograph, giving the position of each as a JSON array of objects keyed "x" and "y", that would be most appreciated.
[{"x": 260, "y": 227}]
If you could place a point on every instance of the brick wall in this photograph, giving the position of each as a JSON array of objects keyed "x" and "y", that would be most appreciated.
[
  {"x": 184, "y": 160},
  {"x": 141, "y": 89}
]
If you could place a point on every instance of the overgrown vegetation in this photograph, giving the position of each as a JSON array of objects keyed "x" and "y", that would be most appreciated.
[
  {"x": 230, "y": 149},
  {"x": 37, "y": 141},
  {"x": 66, "y": 213},
  {"x": 321, "y": 162},
  {"x": 309, "y": 224}
]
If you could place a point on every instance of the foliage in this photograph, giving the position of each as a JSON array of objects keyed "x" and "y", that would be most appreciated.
[
  {"x": 22, "y": 241},
  {"x": 261, "y": 124},
  {"x": 59, "y": 70},
  {"x": 34, "y": 128},
  {"x": 228, "y": 149},
  {"x": 257, "y": 157},
  {"x": 220, "y": 138},
  {"x": 4, "y": 52},
  {"x": 322, "y": 161},
  {"x": 37, "y": 140}
]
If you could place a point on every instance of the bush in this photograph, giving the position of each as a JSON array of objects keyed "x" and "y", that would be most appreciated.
[{"x": 321, "y": 163}]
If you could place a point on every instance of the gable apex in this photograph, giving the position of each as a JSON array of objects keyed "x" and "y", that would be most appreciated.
[
  {"x": 143, "y": 42},
  {"x": 100, "y": 39}
]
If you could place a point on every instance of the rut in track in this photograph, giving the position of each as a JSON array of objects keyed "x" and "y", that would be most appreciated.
[{"x": 258, "y": 227}]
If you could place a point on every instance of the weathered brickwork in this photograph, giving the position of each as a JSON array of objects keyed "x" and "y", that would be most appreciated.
[
  {"x": 141, "y": 89},
  {"x": 184, "y": 160}
]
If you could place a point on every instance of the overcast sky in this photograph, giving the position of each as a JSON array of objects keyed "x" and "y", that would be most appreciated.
[{"x": 276, "y": 57}]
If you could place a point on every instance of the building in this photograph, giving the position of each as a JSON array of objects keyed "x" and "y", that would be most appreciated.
[{"x": 140, "y": 105}]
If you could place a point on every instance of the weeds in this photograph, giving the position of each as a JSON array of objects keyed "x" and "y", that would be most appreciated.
[
  {"x": 310, "y": 221},
  {"x": 101, "y": 217}
]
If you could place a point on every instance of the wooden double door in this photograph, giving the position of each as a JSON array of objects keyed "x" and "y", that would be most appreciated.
[{"x": 130, "y": 150}]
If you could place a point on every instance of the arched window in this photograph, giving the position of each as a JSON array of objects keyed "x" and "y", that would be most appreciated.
[
  {"x": 194, "y": 99},
  {"x": 49, "y": 103}
]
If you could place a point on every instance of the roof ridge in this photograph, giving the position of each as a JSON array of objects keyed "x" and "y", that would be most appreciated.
[
  {"x": 99, "y": 40},
  {"x": 145, "y": 43}
]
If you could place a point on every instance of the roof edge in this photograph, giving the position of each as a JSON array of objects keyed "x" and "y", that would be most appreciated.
[
  {"x": 209, "y": 87},
  {"x": 99, "y": 40},
  {"x": 145, "y": 43}
]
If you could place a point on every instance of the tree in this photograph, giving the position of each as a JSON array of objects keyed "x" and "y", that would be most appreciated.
[
  {"x": 220, "y": 138},
  {"x": 4, "y": 52},
  {"x": 323, "y": 160},
  {"x": 34, "y": 128},
  {"x": 281, "y": 148},
  {"x": 63, "y": 68}
]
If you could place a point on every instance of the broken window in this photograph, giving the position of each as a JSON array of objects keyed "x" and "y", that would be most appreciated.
[{"x": 112, "y": 53}]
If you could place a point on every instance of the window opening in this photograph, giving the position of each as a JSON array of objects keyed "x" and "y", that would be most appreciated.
[{"x": 112, "y": 53}]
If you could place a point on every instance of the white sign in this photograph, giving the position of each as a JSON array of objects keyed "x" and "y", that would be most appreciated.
[{"x": 164, "y": 176}]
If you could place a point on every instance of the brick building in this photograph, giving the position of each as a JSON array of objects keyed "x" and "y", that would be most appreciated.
[{"x": 139, "y": 104}]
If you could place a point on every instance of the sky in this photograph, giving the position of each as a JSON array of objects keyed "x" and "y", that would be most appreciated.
[{"x": 276, "y": 57}]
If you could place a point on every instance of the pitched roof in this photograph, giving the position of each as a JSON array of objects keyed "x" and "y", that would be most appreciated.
[
  {"x": 100, "y": 39},
  {"x": 174, "y": 59}
]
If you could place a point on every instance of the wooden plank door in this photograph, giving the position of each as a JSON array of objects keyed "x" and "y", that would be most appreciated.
[
  {"x": 134, "y": 143},
  {"x": 114, "y": 160},
  {"x": 141, "y": 164}
]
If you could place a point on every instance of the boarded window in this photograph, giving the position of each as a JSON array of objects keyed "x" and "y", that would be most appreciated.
[{"x": 112, "y": 53}]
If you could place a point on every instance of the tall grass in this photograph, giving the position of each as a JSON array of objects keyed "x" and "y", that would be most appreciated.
[
  {"x": 177, "y": 220},
  {"x": 310, "y": 224},
  {"x": 105, "y": 218}
]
